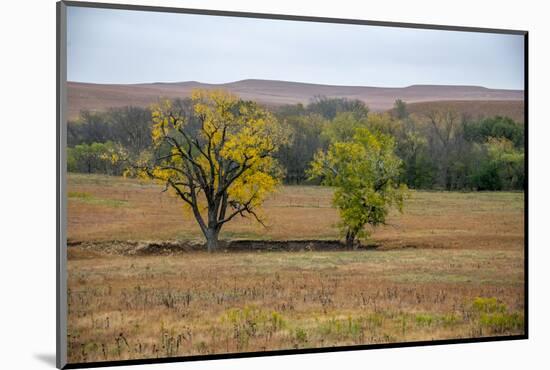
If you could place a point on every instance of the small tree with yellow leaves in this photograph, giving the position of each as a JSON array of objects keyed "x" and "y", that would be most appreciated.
[
  {"x": 365, "y": 174},
  {"x": 218, "y": 159}
]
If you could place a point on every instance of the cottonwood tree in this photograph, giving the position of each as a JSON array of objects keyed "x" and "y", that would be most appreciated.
[
  {"x": 343, "y": 126},
  {"x": 218, "y": 158},
  {"x": 504, "y": 169},
  {"x": 95, "y": 157},
  {"x": 365, "y": 173}
]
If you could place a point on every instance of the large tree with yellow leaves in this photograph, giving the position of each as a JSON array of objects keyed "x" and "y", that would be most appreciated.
[{"x": 218, "y": 159}]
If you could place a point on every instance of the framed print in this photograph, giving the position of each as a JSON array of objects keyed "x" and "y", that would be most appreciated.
[{"x": 239, "y": 184}]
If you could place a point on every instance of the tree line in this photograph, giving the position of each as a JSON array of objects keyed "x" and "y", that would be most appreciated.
[
  {"x": 222, "y": 156},
  {"x": 440, "y": 149}
]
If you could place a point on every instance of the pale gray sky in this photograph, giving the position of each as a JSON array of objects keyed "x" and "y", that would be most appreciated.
[{"x": 122, "y": 46}]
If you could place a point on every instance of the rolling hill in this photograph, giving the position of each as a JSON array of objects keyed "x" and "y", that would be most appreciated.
[
  {"x": 475, "y": 109},
  {"x": 98, "y": 97}
]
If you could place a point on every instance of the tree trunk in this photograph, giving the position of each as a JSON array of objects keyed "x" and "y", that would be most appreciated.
[
  {"x": 350, "y": 238},
  {"x": 211, "y": 235}
]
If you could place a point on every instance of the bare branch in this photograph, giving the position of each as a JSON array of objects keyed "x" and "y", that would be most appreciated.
[{"x": 240, "y": 209}]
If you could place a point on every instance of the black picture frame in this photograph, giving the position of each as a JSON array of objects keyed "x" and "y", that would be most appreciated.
[{"x": 61, "y": 196}]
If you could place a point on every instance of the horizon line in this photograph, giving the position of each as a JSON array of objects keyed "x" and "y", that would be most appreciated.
[{"x": 288, "y": 81}]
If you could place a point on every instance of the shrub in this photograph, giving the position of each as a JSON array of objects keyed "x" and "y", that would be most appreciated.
[
  {"x": 349, "y": 328},
  {"x": 449, "y": 319},
  {"x": 487, "y": 305},
  {"x": 300, "y": 335},
  {"x": 424, "y": 320},
  {"x": 277, "y": 322},
  {"x": 500, "y": 322},
  {"x": 494, "y": 316},
  {"x": 252, "y": 321}
]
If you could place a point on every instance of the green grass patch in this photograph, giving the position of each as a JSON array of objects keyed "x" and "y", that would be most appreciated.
[
  {"x": 79, "y": 195},
  {"x": 88, "y": 198},
  {"x": 251, "y": 321},
  {"x": 426, "y": 277},
  {"x": 300, "y": 335},
  {"x": 428, "y": 319}
]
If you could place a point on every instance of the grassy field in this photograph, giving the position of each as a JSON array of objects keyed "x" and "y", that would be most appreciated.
[
  {"x": 107, "y": 208},
  {"x": 450, "y": 267}
]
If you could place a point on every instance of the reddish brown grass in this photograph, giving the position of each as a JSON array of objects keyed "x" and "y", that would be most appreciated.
[
  {"x": 112, "y": 208},
  {"x": 467, "y": 245},
  {"x": 514, "y": 109}
]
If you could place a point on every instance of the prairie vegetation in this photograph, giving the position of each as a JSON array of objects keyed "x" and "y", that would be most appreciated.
[
  {"x": 158, "y": 306},
  {"x": 114, "y": 208},
  {"x": 450, "y": 267},
  {"x": 299, "y": 180}
]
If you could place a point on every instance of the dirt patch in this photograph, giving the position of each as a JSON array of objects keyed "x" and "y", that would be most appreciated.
[
  {"x": 284, "y": 245},
  {"x": 80, "y": 250},
  {"x": 82, "y": 254},
  {"x": 133, "y": 248}
]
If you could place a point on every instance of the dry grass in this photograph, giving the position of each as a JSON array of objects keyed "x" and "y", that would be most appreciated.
[
  {"x": 468, "y": 245},
  {"x": 113, "y": 208},
  {"x": 100, "y": 97},
  {"x": 474, "y": 109},
  {"x": 121, "y": 307}
]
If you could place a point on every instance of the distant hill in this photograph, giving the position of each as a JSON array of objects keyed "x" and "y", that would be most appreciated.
[
  {"x": 98, "y": 97},
  {"x": 475, "y": 109}
]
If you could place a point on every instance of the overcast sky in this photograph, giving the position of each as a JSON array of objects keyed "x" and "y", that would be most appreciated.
[{"x": 121, "y": 46}]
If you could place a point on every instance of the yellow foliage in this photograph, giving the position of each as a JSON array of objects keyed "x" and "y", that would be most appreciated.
[{"x": 231, "y": 152}]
